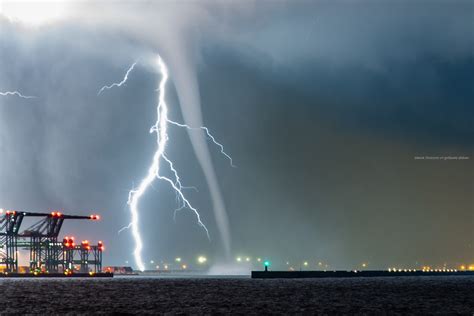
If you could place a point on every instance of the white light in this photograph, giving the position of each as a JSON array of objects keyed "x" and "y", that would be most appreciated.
[
  {"x": 239, "y": 259},
  {"x": 202, "y": 259},
  {"x": 247, "y": 259},
  {"x": 178, "y": 259},
  {"x": 32, "y": 13}
]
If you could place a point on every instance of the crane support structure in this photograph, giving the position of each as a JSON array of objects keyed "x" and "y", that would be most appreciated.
[{"x": 46, "y": 253}]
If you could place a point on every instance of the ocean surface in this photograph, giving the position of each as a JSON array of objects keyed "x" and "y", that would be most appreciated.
[{"x": 224, "y": 295}]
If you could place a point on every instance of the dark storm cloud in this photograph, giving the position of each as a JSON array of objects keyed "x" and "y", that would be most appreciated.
[{"x": 322, "y": 105}]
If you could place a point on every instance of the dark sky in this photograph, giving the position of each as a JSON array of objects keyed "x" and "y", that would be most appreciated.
[{"x": 323, "y": 106}]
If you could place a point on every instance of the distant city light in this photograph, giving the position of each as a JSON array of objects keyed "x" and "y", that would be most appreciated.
[
  {"x": 184, "y": 267},
  {"x": 247, "y": 259},
  {"x": 305, "y": 263},
  {"x": 178, "y": 259},
  {"x": 259, "y": 259},
  {"x": 202, "y": 259},
  {"x": 239, "y": 259},
  {"x": 152, "y": 262}
]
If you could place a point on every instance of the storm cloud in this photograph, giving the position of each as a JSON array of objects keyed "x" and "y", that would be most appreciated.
[{"x": 323, "y": 105}]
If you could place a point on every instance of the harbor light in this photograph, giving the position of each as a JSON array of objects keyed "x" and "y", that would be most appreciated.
[{"x": 266, "y": 264}]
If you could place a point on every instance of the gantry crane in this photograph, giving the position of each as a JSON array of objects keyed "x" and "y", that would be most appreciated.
[{"x": 41, "y": 239}]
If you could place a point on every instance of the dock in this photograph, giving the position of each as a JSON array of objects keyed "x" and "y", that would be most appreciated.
[{"x": 354, "y": 274}]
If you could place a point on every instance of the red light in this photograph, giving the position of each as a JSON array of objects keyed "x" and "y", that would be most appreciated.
[{"x": 53, "y": 214}]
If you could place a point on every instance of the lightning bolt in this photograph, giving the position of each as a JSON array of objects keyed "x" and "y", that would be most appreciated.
[
  {"x": 118, "y": 84},
  {"x": 16, "y": 93},
  {"x": 161, "y": 129},
  {"x": 213, "y": 139}
]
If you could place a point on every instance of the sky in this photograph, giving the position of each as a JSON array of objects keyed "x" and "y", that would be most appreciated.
[{"x": 324, "y": 106}]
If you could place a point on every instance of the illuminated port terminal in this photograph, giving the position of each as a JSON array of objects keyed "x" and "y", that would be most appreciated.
[{"x": 48, "y": 256}]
